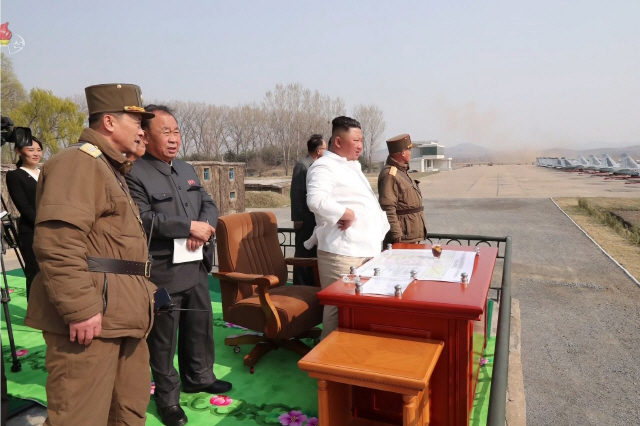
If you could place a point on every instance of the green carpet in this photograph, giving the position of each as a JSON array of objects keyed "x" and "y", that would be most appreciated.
[{"x": 277, "y": 387}]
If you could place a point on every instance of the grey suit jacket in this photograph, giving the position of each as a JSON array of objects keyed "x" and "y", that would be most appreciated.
[
  {"x": 299, "y": 209},
  {"x": 173, "y": 194}
]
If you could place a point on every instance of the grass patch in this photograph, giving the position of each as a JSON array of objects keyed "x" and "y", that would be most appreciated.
[
  {"x": 621, "y": 249},
  {"x": 265, "y": 199},
  {"x": 612, "y": 214}
]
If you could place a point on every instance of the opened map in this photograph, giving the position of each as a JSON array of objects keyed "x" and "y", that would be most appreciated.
[{"x": 399, "y": 263}]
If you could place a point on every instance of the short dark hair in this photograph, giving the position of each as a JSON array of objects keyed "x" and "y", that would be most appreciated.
[
  {"x": 95, "y": 119},
  {"x": 314, "y": 142},
  {"x": 344, "y": 123},
  {"x": 146, "y": 122},
  {"x": 33, "y": 139}
]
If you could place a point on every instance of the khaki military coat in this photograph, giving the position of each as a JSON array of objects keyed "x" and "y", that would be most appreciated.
[
  {"x": 84, "y": 209},
  {"x": 401, "y": 199}
]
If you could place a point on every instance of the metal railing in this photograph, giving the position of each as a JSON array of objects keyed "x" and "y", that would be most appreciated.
[
  {"x": 502, "y": 294},
  {"x": 498, "y": 397}
]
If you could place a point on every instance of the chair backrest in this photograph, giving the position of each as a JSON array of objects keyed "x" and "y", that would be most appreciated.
[{"x": 248, "y": 243}]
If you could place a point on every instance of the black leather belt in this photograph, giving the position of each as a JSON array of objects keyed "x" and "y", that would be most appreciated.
[
  {"x": 118, "y": 266},
  {"x": 409, "y": 211}
]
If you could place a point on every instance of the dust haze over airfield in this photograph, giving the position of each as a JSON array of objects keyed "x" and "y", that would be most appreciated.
[{"x": 507, "y": 76}]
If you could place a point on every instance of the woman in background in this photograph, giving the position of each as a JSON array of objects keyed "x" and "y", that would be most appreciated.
[{"x": 22, "y": 183}]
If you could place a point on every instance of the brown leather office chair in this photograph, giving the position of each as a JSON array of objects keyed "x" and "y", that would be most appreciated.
[{"x": 253, "y": 274}]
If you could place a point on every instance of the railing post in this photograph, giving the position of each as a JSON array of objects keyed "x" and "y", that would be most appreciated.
[{"x": 499, "y": 379}]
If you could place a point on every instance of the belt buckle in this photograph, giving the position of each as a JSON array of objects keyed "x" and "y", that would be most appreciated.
[{"x": 147, "y": 269}]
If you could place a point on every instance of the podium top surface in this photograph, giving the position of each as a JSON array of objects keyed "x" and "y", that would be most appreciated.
[
  {"x": 374, "y": 360},
  {"x": 433, "y": 297}
]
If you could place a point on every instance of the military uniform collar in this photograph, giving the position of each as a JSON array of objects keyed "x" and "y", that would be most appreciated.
[
  {"x": 401, "y": 166},
  {"x": 160, "y": 165},
  {"x": 119, "y": 161}
]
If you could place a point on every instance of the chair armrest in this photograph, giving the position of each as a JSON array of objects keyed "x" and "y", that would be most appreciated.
[
  {"x": 301, "y": 261},
  {"x": 263, "y": 281},
  {"x": 310, "y": 262}
]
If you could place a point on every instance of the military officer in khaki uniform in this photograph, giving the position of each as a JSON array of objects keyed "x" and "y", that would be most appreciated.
[
  {"x": 400, "y": 195},
  {"x": 92, "y": 298}
]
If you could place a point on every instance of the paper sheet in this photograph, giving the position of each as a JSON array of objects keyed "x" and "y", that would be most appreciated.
[
  {"x": 400, "y": 263},
  {"x": 181, "y": 253},
  {"x": 384, "y": 285}
]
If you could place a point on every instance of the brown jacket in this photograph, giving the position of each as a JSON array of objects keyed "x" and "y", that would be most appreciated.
[
  {"x": 84, "y": 209},
  {"x": 401, "y": 198}
]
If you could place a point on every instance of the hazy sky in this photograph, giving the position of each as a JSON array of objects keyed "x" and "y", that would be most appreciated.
[{"x": 506, "y": 74}]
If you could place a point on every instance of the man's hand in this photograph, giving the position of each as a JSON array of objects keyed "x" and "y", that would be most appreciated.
[
  {"x": 201, "y": 230},
  {"x": 86, "y": 330},
  {"x": 194, "y": 243},
  {"x": 297, "y": 225},
  {"x": 346, "y": 220}
]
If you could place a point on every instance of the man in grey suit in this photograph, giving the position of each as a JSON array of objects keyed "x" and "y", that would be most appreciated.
[
  {"x": 169, "y": 190},
  {"x": 303, "y": 219}
]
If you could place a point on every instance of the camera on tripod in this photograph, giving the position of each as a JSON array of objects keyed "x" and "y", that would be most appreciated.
[{"x": 20, "y": 136}]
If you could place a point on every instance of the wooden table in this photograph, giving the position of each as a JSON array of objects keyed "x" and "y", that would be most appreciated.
[
  {"x": 449, "y": 312},
  {"x": 349, "y": 358}
]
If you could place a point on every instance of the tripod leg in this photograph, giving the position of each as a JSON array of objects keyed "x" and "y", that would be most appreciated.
[{"x": 4, "y": 292}]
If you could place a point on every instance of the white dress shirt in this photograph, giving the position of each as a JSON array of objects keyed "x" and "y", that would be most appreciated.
[{"x": 333, "y": 184}]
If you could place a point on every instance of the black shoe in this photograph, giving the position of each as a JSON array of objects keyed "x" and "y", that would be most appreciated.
[
  {"x": 217, "y": 387},
  {"x": 173, "y": 415}
]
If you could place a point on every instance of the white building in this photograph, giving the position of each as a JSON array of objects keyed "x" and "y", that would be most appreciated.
[{"x": 428, "y": 156}]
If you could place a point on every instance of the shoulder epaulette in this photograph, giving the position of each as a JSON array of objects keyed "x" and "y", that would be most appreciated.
[
  {"x": 91, "y": 149},
  {"x": 393, "y": 170}
]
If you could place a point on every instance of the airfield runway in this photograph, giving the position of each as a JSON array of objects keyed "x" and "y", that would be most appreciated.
[
  {"x": 525, "y": 181},
  {"x": 580, "y": 314}
]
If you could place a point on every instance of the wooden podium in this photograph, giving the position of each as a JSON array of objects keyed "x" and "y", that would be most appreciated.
[
  {"x": 444, "y": 311},
  {"x": 349, "y": 359}
]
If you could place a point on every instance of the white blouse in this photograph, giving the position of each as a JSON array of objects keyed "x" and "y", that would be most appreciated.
[{"x": 33, "y": 173}]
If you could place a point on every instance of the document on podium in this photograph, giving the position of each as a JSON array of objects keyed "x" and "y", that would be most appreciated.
[
  {"x": 400, "y": 263},
  {"x": 181, "y": 253},
  {"x": 385, "y": 285}
]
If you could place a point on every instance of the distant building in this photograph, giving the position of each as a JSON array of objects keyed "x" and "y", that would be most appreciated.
[
  {"x": 224, "y": 182},
  {"x": 428, "y": 156}
]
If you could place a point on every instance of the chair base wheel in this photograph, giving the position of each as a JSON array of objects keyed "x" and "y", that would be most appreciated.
[
  {"x": 252, "y": 369},
  {"x": 236, "y": 349}
]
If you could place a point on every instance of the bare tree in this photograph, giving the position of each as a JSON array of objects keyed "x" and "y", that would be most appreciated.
[
  {"x": 216, "y": 131},
  {"x": 280, "y": 106},
  {"x": 244, "y": 129},
  {"x": 277, "y": 129},
  {"x": 373, "y": 125}
]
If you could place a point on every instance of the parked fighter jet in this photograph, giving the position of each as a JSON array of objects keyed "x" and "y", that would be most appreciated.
[
  {"x": 565, "y": 164},
  {"x": 582, "y": 163},
  {"x": 594, "y": 163},
  {"x": 608, "y": 165},
  {"x": 628, "y": 166}
]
